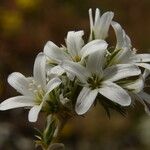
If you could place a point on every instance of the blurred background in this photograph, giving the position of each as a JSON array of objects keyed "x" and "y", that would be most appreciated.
[{"x": 25, "y": 27}]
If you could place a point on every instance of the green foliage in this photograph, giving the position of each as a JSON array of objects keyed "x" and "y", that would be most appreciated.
[{"x": 45, "y": 138}]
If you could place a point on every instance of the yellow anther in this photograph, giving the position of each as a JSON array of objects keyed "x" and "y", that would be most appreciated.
[{"x": 77, "y": 58}]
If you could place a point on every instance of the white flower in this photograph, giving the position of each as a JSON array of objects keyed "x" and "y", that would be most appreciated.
[
  {"x": 75, "y": 51},
  {"x": 136, "y": 90},
  {"x": 96, "y": 80},
  {"x": 34, "y": 89},
  {"x": 134, "y": 85},
  {"x": 123, "y": 40},
  {"x": 144, "y": 97},
  {"x": 123, "y": 53},
  {"x": 100, "y": 26}
]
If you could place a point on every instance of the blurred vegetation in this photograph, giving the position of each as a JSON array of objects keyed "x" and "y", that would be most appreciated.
[{"x": 25, "y": 26}]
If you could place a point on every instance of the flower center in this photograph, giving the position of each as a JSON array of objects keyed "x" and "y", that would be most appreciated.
[
  {"x": 39, "y": 94},
  {"x": 37, "y": 91},
  {"x": 94, "y": 81},
  {"x": 77, "y": 58}
]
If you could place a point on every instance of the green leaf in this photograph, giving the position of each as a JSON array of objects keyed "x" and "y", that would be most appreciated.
[{"x": 49, "y": 132}]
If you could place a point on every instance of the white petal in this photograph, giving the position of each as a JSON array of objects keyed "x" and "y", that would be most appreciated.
[
  {"x": 147, "y": 109},
  {"x": 74, "y": 42},
  {"x": 92, "y": 47},
  {"x": 127, "y": 40},
  {"x": 135, "y": 86},
  {"x": 85, "y": 100},
  {"x": 76, "y": 69},
  {"x": 145, "y": 96},
  {"x": 48, "y": 68},
  {"x": 144, "y": 65},
  {"x": 94, "y": 30},
  {"x": 19, "y": 82},
  {"x": 102, "y": 27},
  {"x": 70, "y": 76},
  {"x": 122, "y": 39},
  {"x": 91, "y": 19},
  {"x": 15, "y": 102},
  {"x": 54, "y": 52},
  {"x": 95, "y": 62},
  {"x": 146, "y": 73},
  {"x": 40, "y": 69},
  {"x": 52, "y": 84},
  {"x": 56, "y": 70},
  {"x": 119, "y": 34},
  {"x": 121, "y": 71},
  {"x": 34, "y": 112},
  {"x": 97, "y": 17},
  {"x": 93, "y": 24},
  {"x": 123, "y": 56},
  {"x": 115, "y": 93},
  {"x": 141, "y": 58},
  {"x": 141, "y": 97},
  {"x": 120, "y": 56}
]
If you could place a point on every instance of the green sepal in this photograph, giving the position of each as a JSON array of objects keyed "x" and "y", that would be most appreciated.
[{"x": 49, "y": 131}]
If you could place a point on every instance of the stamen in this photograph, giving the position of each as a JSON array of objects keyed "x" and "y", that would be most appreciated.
[
  {"x": 30, "y": 84},
  {"x": 77, "y": 58},
  {"x": 35, "y": 91},
  {"x": 39, "y": 86},
  {"x": 34, "y": 82},
  {"x": 94, "y": 81}
]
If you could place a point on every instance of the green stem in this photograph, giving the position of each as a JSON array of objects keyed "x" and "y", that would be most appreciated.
[{"x": 60, "y": 119}]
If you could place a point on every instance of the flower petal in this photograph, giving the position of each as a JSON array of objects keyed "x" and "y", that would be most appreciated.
[
  {"x": 92, "y": 47},
  {"x": 146, "y": 73},
  {"x": 34, "y": 112},
  {"x": 97, "y": 17},
  {"x": 120, "y": 56},
  {"x": 123, "y": 56},
  {"x": 115, "y": 93},
  {"x": 19, "y": 82},
  {"x": 70, "y": 76},
  {"x": 96, "y": 61},
  {"x": 92, "y": 24},
  {"x": 74, "y": 42},
  {"x": 56, "y": 70},
  {"x": 119, "y": 34},
  {"x": 122, "y": 39},
  {"x": 76, "y": 69},
  {"x": 141, "y": 58},
  {"x": 15, "y": 102},
  {"x": 85, "y": 100},
  {"x": 40, "y": 69},
  {"x": 135, "y": 86},
  {"x": 146, "y": 107},
  {"x": 143, "y": 65},
  {"x": 52, "y": 84},
  {"x": 145, "y": 96},
  {"x": 54, "y": 52},
  {"x": 127, "y": 41},
  {"x": 142, "y": 97},
  {"x": 91, "y": 20},
  {"x": 121, "y": 71},
  {"x": 102, "y": 26}
]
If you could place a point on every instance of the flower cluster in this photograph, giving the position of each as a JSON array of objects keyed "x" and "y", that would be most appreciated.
[{"x": 68, "y": 80}]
